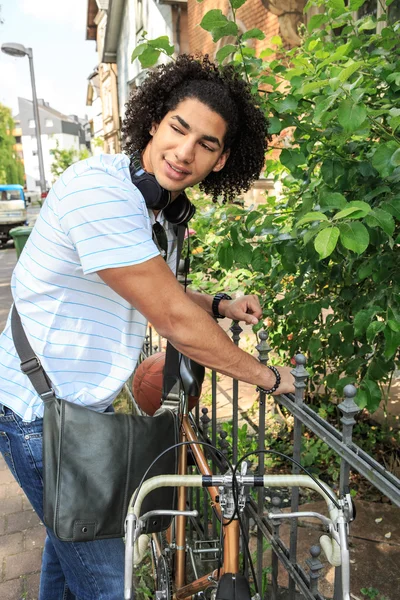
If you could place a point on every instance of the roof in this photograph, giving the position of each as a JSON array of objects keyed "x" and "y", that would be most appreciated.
[
  {"x": 49, "y": 109},
  {"x": 91, "y": 27}
]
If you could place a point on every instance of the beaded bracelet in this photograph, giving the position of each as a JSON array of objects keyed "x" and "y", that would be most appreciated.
[{"x": 277, "y": 382}]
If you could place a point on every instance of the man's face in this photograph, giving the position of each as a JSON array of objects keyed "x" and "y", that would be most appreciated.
[{"x": 186, "y": 146}]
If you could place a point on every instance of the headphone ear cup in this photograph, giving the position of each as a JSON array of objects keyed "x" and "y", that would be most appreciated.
[{"x": 180, "y": 210}]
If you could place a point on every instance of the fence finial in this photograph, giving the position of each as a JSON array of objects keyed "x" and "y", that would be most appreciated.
[
  {"x": 349, "y": 409},
  {"x": 300, "y": 375},
  {"x": 236, "y": 331},
  {"x": 263, "y": 347},
  {"x": 315, "y": 566}
]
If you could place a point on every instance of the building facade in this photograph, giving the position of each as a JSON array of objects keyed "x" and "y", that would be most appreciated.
[{"x": 68, "y": 132}]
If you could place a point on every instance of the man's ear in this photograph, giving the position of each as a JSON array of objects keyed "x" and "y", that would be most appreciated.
[
  {"x": 221, "y": 161},
  {"x": 154, "y": 127}
]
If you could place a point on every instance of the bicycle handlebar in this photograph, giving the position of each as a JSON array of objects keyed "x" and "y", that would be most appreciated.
[{"x": 334, "y": 547}]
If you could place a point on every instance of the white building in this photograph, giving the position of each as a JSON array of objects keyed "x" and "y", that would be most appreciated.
[
  {"x": 68, "y": 132},
  {"x": 126, "y": 21}
]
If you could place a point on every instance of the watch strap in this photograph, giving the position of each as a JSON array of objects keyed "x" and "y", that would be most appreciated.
[{"x": 215, "y": 304}]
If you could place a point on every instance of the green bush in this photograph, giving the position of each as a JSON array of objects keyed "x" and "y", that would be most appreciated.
[{"x": 323, "y": 254}]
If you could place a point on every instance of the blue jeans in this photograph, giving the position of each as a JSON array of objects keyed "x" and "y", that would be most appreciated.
[{"x": 70, "y": 570}]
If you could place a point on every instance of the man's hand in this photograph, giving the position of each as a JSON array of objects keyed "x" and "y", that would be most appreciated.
[
  {"x": 287, "y": 381},
  {"x": 244, "y": 308}
]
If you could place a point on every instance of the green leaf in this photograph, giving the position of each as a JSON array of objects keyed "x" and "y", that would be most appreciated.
[
  {"x": 213, "y": 19},
  {"x": 373, "y": 329},
  {"x": 149, "y": 57},
  {"x": 237, "y": 3},
  {"x": 392, "y": 207},
  {"x": 316, "y": 21},
  {"x": 369, "y": 24},
  {"x": 356, "y": 4},
  {"x": 275, "y": 125},
  {"x": 354, "y": 236},
  {"x": 351, "y": 115},
  {"x": 277, "y": 40},
  {"x": 230, "y": 28},
  {"x": 395, "y": 160},
  {"x": 348, "y": 71},
  {"x": 225, "y": 51},
  {"x": 337, "y": 55},
  {"x": 253, "y": 34},
  {"x": 333, "y": 200},
  {"x": 225, "y": 255},
  {"x": 162, "y": 43},
  {"x": 338, "y": 6},
  {"x": 287, "y": 104},
  {"x": 331, "y": 170},
  {"x": 394, "y": 325},
  {"x": 326, "y": 241},
  {"x": 381, "y": 218},
  {"x": 392, "y": 342},
  {"x": 373, "y": 394},
  {"x": 311, "y": 217},
  {"x": 291, "y": 159},
  {"x": 138, "y": 50},
  {"x": 312, "y": 86},
  {"x": 242, "y": 253},
  {"x": 354, "y": 210},
  {"x": 381, "y": 160},
  {"x": 363, "y": 318}
]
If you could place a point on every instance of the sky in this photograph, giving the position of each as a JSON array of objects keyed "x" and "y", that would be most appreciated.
[{"x": 63, "y": 58}]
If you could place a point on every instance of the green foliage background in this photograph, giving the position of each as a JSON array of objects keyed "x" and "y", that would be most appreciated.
[
  {"x": 11, "y": 168},
  {"x": 323, "y": 254}
]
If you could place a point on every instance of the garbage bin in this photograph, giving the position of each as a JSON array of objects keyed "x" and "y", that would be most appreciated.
[{"x": 20, "y": 235}]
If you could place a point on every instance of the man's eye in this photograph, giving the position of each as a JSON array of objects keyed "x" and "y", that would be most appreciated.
[
  {"x": 176, "y": 129},
  {"x": 207, "y": 147}
]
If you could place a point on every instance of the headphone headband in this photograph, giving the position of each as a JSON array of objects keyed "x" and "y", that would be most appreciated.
[{"x": 178, "y": 211}]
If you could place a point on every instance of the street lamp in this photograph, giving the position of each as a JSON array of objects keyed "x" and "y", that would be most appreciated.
[{"x": 19, "y": 50}]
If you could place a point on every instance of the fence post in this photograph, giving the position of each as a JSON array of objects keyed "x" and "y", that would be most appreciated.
[
  {"x": 315, "y": 566},
  {"x": 300, "y": 375},
  {"x": 276, "y": 508},
  {"x": 349, "y": 409},
  {"x": 236, "y": 331},
  {"x": 263, "y": 352}
]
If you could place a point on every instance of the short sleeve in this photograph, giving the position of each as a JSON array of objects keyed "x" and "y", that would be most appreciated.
[{"x": 106, "y": 219}]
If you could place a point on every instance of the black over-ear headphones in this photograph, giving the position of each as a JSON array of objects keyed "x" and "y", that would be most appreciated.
[{"x": 177, "y": 212}]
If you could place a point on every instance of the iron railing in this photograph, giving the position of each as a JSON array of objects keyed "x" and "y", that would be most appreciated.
[{"x": 352, "y": 457}]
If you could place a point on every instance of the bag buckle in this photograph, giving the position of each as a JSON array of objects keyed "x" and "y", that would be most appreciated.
[
  {"x": 31, "y": 365},
  {"x": 50, "y": 395}
]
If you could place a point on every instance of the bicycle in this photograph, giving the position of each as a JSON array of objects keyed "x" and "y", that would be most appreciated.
[{"x": 227, "y": 492}]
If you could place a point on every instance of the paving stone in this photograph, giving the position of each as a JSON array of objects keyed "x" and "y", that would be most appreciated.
[
  {"x": 34, "y": 538},
  {"x": 11, "y": 590},
  {"x": 3, "y": 464},
  {"x": 11, "y": 505},
  {"x": 22, "y": 563},
  {"x": 2, "y": 525},
  {"x": 32, "y": 583},
  {"x": 26, "y": 505},
  {"x": 13, "y": 489},
  {"x": 6, "y": 477},
  {"x": 21, "y": 520},
  {"x": 11, "y": 544}
]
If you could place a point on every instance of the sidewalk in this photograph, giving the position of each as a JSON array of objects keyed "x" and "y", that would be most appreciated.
[{"x": 21, "y": 541}]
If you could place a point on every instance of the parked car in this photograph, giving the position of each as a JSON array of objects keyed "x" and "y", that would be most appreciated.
[{"x": 12, "y": 210}]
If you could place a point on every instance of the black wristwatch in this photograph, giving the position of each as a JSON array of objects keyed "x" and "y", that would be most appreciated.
[{"x": 215, "y": 304}]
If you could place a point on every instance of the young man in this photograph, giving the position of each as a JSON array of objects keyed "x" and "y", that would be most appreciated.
[{"x": 91, "y": 276}]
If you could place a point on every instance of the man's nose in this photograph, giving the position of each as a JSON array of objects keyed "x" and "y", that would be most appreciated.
[{"x": 184, "y": 152}]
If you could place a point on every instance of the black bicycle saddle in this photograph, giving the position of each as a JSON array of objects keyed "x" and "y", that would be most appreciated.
[{"x": 192, "y": 376}]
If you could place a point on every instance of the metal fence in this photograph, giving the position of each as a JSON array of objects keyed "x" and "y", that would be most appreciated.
[{"x": 301, "y": 581}]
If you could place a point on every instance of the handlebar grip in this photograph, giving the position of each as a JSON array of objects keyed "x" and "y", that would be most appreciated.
[{"x": 331, "y": 550}]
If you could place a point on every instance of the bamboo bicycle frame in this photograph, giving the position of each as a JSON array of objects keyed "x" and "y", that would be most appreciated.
[{"x": 231, "y": 531}]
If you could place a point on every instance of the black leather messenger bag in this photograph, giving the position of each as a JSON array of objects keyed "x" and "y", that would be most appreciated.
[{"x": 93, "y": 462}]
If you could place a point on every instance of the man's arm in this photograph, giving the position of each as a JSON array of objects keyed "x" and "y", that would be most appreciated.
[
  {"x": 244, "y": 308},
  {"x": 152, "y": 289}
]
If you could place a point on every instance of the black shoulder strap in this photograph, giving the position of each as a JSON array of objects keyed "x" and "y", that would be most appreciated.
[
  {"x": 32, "y": 367},
  {"x": 30, "y": 364}
]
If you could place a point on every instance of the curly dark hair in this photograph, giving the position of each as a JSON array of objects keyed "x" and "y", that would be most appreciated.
[{"x": 223, "y": 90}]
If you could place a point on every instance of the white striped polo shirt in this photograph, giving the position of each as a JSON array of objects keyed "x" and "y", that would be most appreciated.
[{"x": 87, "y": 337}]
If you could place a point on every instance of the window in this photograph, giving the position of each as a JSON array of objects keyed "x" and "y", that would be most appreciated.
[
  {"x": 18, "y": 139},
  {"x": 48, "y": 122},
  {"x": 31, "y": 123}
]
